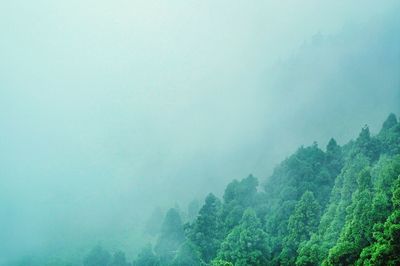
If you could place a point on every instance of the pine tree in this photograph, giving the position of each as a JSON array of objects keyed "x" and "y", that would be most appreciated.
[
  {"x": 119, "y": 259},
  {"x": 206, "y": 232},
  {"x": 247, "y": 243},
  {"x": 386, "y": 248},
  {"x": 301, "y": 224},
  {"x": 146, "y": 257},
  {"x": 357, "y": 232},
  {"x": 188, "y": 254},
  {"x": 98, "y": 256},
  {"x": 171, "y": 236}
]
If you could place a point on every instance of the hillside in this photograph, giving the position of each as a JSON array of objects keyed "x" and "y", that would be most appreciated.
[{"x": 337, "y": 206}]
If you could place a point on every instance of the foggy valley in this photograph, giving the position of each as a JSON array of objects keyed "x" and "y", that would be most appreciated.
[{"x": 151, "y": 133}]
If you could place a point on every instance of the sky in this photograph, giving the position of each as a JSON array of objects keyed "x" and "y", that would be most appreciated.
[{"x": 110, "y": 108}]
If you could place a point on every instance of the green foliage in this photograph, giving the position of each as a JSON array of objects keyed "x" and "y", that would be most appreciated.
[
  {"x": 367, "y": 145},
  {"x": 153, "y": 223},
  {"x": 390, "y": 122},
  {"x": 206, "y": 232},
  {"x": 247, "y": 243},
  {"x": 219, "y": 262},
  {"x": 302, "y": 223},
  {"x": 237, "y": 197},
  {"x": 335, "y": 207},
  {"x": 389, "y": 136},
  {"x": 187, "y": 255},
  {"x": 171, "y": 237},
  {"x": 119, "y": 259},
  {"x": 310, "y": 252},
  {"x": 338, "y": 207},
  {"x": 97, "y": 257},
  {"x": 146, "y": 257},
  {"x": 309, "y": 169},
  {"x": 385, "y": 249},
  {"x": 357, "y": 230},
  {"x": 334, "y": 217},
  {"x": 193, "y": 210}
]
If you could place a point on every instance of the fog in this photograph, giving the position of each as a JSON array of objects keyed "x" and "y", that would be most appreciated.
[{"x": 109, "y": 109}]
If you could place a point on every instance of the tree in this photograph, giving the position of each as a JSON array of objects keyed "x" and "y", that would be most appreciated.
[
  {"x": 357, "y": 231},
  {"x": 119, "y": 259},
  {"x": 302, "y": 223},
  {"x": 389, "y": 136},
  {"x": 367, "y": 145},
  {"x": 386, "y": 248},
  {"x": 187, "y": 255},
  {"x": 193, "y": 210},
  {"x": 146, "y": 257},
  {"x": 247, "y": 243},
  {"x": 390, "y": 122},
  {"x": 171, "y": 236},
  {"x": 153, "y": 223},
  {"x": 334, "y": 158},
  {"x": 219, "y": 262},
  {"x": 206, "y": 232},
  {"x": 237, "y": 197},
  {"x": 97, "y": 257}
]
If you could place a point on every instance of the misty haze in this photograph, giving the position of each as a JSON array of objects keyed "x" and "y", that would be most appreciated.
[{"x": 188, "y": 133}]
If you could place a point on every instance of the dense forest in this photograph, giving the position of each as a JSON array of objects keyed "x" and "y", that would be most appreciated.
[{"x": 334, "y": 206}]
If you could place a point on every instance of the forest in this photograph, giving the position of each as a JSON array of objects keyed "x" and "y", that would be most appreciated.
[{"x": 334, "y": 206}]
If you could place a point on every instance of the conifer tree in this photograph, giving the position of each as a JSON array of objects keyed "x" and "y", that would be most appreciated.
[
  {"x": 302, "y": 223},
  {"x": 247, "y": 243},
  {"x": 171, "y": 236},
  {"x": 206, "y": 232}
]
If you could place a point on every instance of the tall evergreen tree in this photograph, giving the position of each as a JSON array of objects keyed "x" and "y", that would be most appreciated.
[
  {"x": 238, "y": 196},
  {"x": 119, "y": 259},
  {"x": 357, "y": 232},
  {"x": 146, "y": 257},
  {"x": 98, "y": 256},
  {"x": 247, "y": 243},
  {"x": 385, "y": 249},
  {"x": 302, "y": 223},
  {"x": 206, "y": 232},
  {"x": 188, "y": 254},
  {"x": 171, "y": 236}
]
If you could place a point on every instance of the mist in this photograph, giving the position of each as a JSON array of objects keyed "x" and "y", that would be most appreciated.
[{"x": 109, "y": 109}]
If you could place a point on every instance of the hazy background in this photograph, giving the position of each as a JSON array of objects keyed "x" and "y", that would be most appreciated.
[{"x": 110, "y": 108}]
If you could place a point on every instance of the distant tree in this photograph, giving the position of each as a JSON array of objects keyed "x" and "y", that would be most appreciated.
[
  {"x": 98, "y": 256},
  {"x": 153, "y": 223},
  {"x": 206, "y": 232},
  {"x": 243, "y": 192},
  {"x": 119, "y": 259},
  {"x": 193, "y": 210},
  {"x": 390, "y": 122},
  {"x": 237, "y": 197},
  {"x": 367, "y": 145},
  {"x": 334, "y": 158},
  {"x": 188, "y": 254},
  {"x": 171, "y": 236},
  {"x": 146, "y": 257},
  {"x": 389, "y": 136},
  {"x": 317, "y": 208}
]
